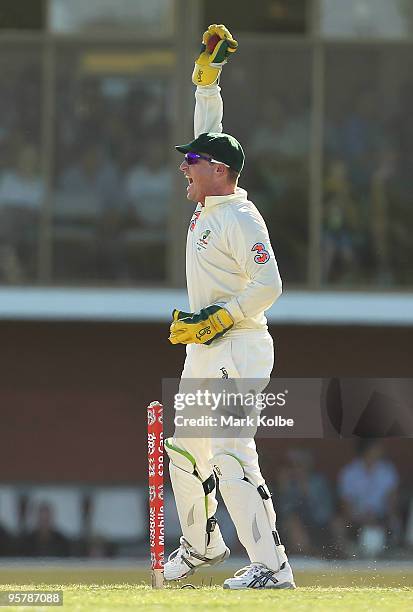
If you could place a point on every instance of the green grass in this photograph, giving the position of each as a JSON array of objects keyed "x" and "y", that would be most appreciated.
[
  {"x": 131, "y": 597},
  {"x": 115, "y": 590},
  {"x": 111, "y": 576}
]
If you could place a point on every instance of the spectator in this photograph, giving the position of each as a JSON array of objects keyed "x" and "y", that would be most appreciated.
[
  {"x": 92, "y": 179},
  {"x": 305, "y": 502},
  {"x": 45, "y": 540},
  {"x": 21, "y": 196},
  {"x": 280, "y": 131},
  {"x": 361, "y": 136},
  {"x": 90, "y": 194},
  {"x": 149, "y": 187},
  {"x": 341, "y": 222},
  {"x": 368, "y": 491},
  {"x": 23, "y": 185},
  {"x": 361, "y": 130},
  {"x": 6, "y": 543}
]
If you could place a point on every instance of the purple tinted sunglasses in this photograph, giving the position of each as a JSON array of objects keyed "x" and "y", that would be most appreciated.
[{"x": 193, "y": 158}]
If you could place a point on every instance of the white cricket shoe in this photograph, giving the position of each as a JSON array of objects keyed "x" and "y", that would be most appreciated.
[
  {"x": 259, "y": 576},
  {"x": 183, "y": 561}
]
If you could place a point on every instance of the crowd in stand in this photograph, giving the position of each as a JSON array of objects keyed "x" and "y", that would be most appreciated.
[
  {"x": 365, "y": 512},
  {"x": 111, "y": 180},
  {"x": 112, "y": 174},
  {"x": 46, "y": 539}
]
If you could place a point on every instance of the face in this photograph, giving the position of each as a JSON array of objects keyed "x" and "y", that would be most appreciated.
[{"x": 204, "y": 179}]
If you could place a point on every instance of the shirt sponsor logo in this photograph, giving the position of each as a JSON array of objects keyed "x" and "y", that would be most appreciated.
[{"x": 262, "y": 255}]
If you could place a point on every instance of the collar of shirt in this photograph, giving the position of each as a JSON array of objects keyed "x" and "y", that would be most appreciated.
[{"x": 239, "y": 194}]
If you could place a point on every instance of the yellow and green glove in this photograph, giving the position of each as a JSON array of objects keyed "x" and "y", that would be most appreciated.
[
  {"x": 217, "y": 46},
  {"x": 202, "y": 328}
]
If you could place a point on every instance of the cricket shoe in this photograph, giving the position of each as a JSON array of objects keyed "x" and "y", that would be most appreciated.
[
  {"x": 259, "y": 576},
  {"x": 184, "y": 561}
]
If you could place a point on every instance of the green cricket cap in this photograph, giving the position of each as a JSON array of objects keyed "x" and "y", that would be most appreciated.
[{"x": 222, "y": 147}]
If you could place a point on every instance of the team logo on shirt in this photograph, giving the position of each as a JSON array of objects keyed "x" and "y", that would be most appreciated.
[
  {"x": 262, "y": 255},
  {"x": 203, "y": 241}
]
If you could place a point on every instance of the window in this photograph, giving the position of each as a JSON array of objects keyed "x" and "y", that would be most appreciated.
[
  {"x": 277, "y": 16},
  {"x": 367, "y": 18},
  {"x": 22, "y": 185},
  {"x": 154, "y": 17}
]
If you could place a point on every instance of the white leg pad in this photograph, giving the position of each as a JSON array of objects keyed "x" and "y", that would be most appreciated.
[
  {"x": 195, "y": 502},
  {"x": 253, "y": 516}
]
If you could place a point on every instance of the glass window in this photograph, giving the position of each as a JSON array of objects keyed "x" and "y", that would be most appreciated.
[
  {"x": 113, "y": 182},
  {"x": 367, "y": 18},
  {"x": 22, "y": 186},
  {"x": 271, "y": 118},
  {"x": 368, "y": 159},
  {"x": 154, "y": 17},
  {"x": 280, "y": 16},
  {"x": 20, "y": 15}
]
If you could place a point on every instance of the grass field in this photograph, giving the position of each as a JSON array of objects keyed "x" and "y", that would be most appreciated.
[
  {"x": 117, "y": 590},
  {"x": 117, "y": 597}
]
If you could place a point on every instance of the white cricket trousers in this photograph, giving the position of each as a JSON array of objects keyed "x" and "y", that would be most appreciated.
[{"x": 244, "y": 354}]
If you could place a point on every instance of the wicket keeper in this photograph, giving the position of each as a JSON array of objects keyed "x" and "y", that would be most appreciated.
[{"x": 232, "y": 278}]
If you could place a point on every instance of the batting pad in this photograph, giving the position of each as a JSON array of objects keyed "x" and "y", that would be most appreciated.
[
  {"x": 247, "y": 509},
  {"x": 195, "y": 500}
]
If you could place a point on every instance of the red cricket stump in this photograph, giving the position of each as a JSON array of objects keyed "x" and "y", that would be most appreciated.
[{"x": 156, "y": 511}]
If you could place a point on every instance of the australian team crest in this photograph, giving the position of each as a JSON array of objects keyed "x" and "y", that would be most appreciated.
[{"x": 203, "y": 241}]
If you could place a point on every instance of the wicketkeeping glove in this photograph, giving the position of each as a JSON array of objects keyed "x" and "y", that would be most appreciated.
[
  {"x": 180, "y": 314},
  {"x": 217, "y": 45},
  {"x": 203, "y": 328}
]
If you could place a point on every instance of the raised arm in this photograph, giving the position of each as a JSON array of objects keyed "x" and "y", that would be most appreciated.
[
  {"x": 209, "y": 110},
  {"x": 217, "y": 45}
]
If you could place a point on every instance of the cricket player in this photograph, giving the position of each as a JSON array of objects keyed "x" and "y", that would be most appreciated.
[{"x": 232, "y": 278}]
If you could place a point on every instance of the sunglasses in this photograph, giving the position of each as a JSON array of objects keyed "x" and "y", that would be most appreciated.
[{"x": 193, "y": 158}]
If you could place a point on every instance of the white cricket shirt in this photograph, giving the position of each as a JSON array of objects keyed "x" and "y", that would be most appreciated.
[{"x": 229, "y": 257}]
